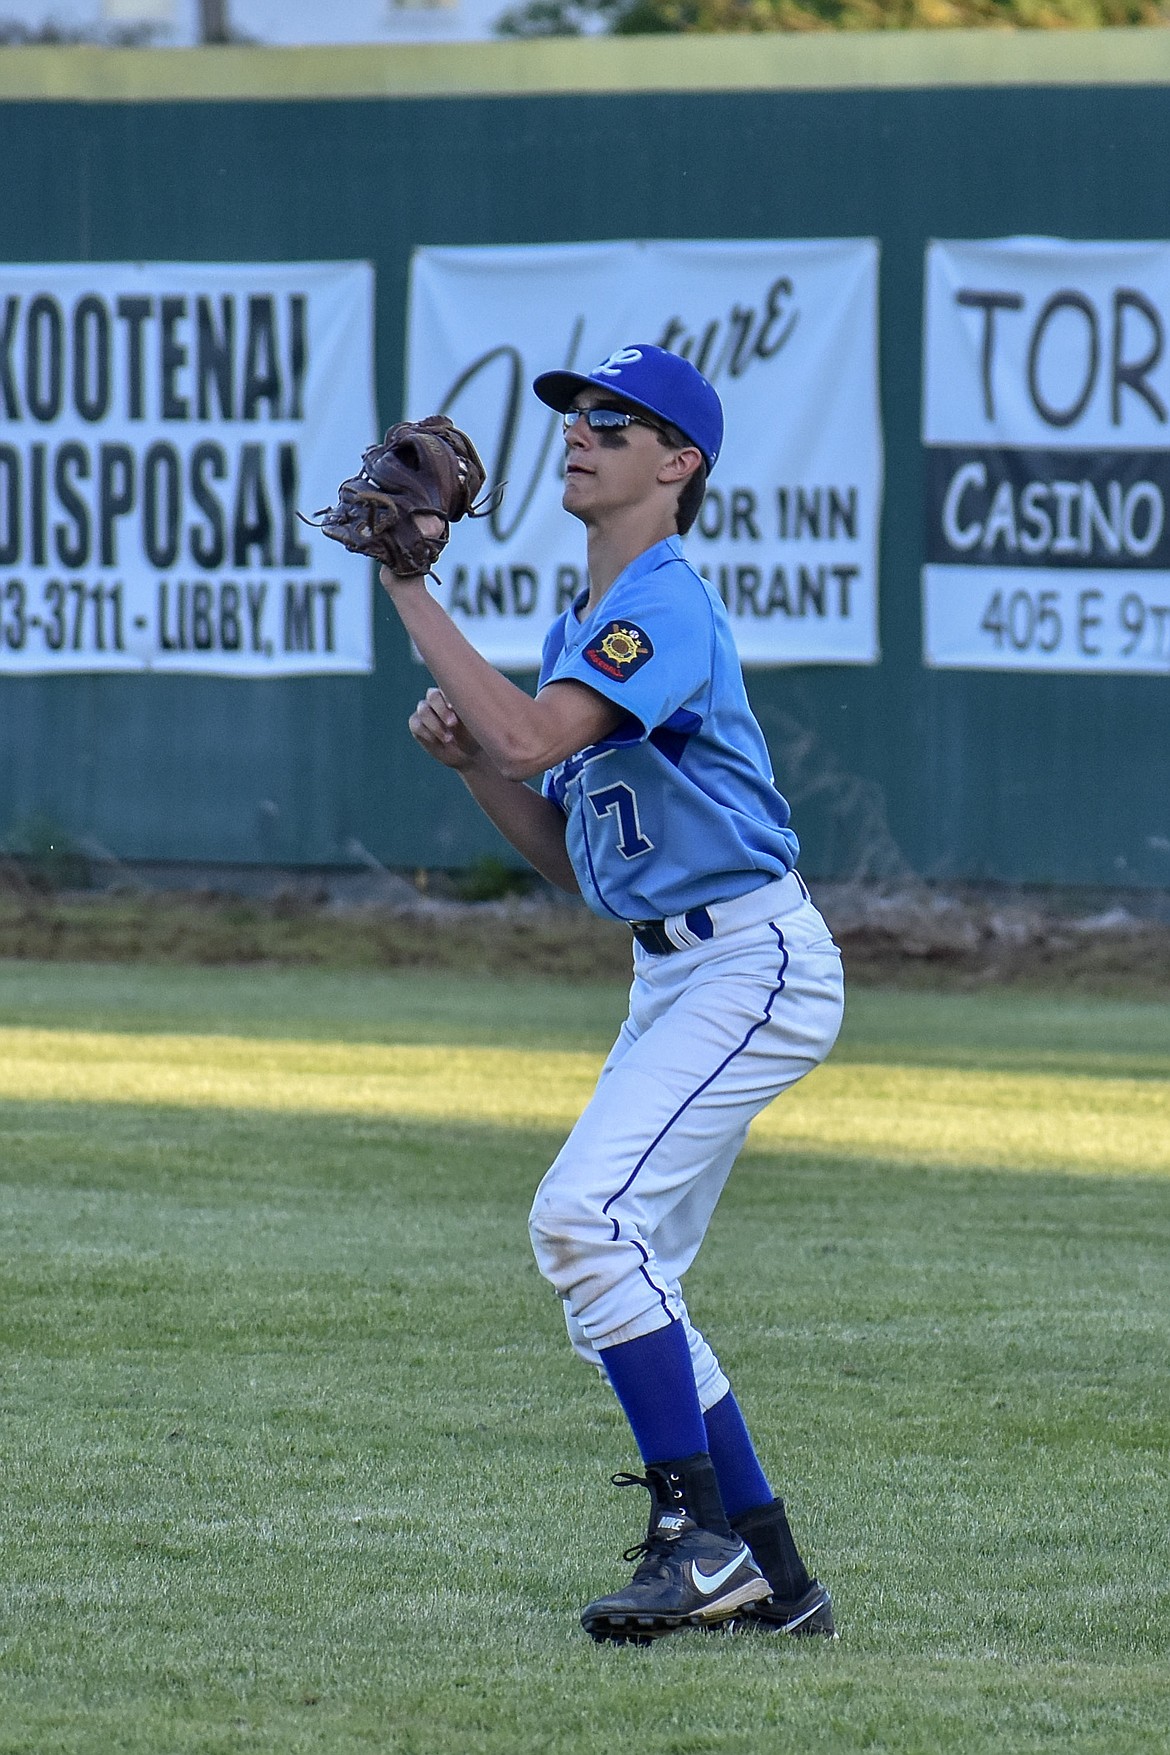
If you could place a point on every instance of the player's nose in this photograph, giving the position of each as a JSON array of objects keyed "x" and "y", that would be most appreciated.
[{"x": 579, "y": 435}]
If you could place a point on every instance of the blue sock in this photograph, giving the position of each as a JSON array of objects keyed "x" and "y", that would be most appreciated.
[
  {"x": 743, "y": 1484},
  {"x": 654, "y": 1381}
]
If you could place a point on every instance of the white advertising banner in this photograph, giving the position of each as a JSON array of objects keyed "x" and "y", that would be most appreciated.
[
  {"x": 786, "y": 331},
  {"x": 161, "y": 424},
  {"x": 1046, "y": 391}
]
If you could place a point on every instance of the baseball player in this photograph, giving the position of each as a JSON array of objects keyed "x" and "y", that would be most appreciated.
[{"x": 657, "y": 804}]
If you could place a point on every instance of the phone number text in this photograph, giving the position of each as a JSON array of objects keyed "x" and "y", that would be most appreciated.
[{"x": 258, "y": 618}]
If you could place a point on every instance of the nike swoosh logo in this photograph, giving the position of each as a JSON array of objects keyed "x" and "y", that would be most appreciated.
[{"x": 708, "y": 1583}]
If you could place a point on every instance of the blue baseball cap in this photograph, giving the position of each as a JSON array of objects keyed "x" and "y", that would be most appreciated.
[{"x": 648, "y": 377}]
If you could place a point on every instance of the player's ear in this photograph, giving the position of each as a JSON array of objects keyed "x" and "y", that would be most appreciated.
[{"x": 677, "y": 466}]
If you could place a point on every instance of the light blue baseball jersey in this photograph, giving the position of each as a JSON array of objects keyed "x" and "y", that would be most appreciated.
[{"x": 677, "y": 807}]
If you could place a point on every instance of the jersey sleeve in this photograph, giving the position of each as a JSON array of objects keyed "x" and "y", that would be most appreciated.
[
  {"x": 650, "y": 653},
  {"x": 554, "y": 645}
]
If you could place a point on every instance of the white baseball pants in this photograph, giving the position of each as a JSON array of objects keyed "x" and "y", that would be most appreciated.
[{"x": 714, "y": 1032}]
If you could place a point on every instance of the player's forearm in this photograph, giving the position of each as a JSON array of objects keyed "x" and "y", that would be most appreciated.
[
  {"x": 533, "y": 824},
  {"x": 503, "y": 720}
]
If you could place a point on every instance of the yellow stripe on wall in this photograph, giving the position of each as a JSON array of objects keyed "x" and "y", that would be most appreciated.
[{"x": 843, "y": 60}]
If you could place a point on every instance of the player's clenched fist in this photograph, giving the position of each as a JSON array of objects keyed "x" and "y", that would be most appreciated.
[{"x": 438, "y": 728}]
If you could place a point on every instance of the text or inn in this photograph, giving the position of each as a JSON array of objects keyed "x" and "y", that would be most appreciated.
[{"x": 801, "y": 513}]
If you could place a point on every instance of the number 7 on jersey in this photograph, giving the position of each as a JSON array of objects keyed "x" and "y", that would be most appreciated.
[{"x": 621, "y": 802}]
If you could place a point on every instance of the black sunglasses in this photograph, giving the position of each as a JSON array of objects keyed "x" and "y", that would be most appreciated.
[{"x": 604, "y": 420}]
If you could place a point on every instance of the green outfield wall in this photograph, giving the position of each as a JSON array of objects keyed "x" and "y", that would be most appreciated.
[{"x": 257, "y": 155}]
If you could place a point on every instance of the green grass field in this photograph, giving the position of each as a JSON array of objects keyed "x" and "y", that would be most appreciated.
[{"x": 296, "y": 1456}]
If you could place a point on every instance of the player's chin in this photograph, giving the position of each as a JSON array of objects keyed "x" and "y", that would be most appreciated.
[{"x": 576, "y": 495}]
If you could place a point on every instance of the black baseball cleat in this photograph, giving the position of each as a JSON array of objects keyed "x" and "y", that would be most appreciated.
[
  {"x": 799, "y": 1605},
  {"x": 811, "y": 1616},
  {"x": 686, "y": 1577}
]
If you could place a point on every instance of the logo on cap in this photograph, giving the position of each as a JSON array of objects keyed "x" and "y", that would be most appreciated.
[{"x": 612, "y": 367}]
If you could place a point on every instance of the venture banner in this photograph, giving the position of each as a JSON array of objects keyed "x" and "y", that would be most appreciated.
[
  {"x": 1045, "y": 399},
  {"x": 786, "y": 331},
  {"x": 160, "y": 426}
]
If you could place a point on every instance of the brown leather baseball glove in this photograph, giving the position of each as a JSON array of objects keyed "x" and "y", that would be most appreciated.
[{"x": 426, "y": 472}]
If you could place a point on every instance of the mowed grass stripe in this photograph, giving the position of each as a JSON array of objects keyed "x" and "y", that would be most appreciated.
[
  {"x": 915, "y": 1114},
  {"x": 298, "y": 1460}
]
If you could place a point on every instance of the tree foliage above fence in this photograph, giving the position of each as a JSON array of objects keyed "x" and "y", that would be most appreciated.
[{"x": 656, "y": 17}]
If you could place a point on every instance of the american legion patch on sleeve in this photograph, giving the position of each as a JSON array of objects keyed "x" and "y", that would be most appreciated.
[{"x": 619, "y": 650}]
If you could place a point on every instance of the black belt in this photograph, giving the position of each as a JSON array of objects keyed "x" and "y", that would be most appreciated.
[{"x": 653, "y": 937}]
